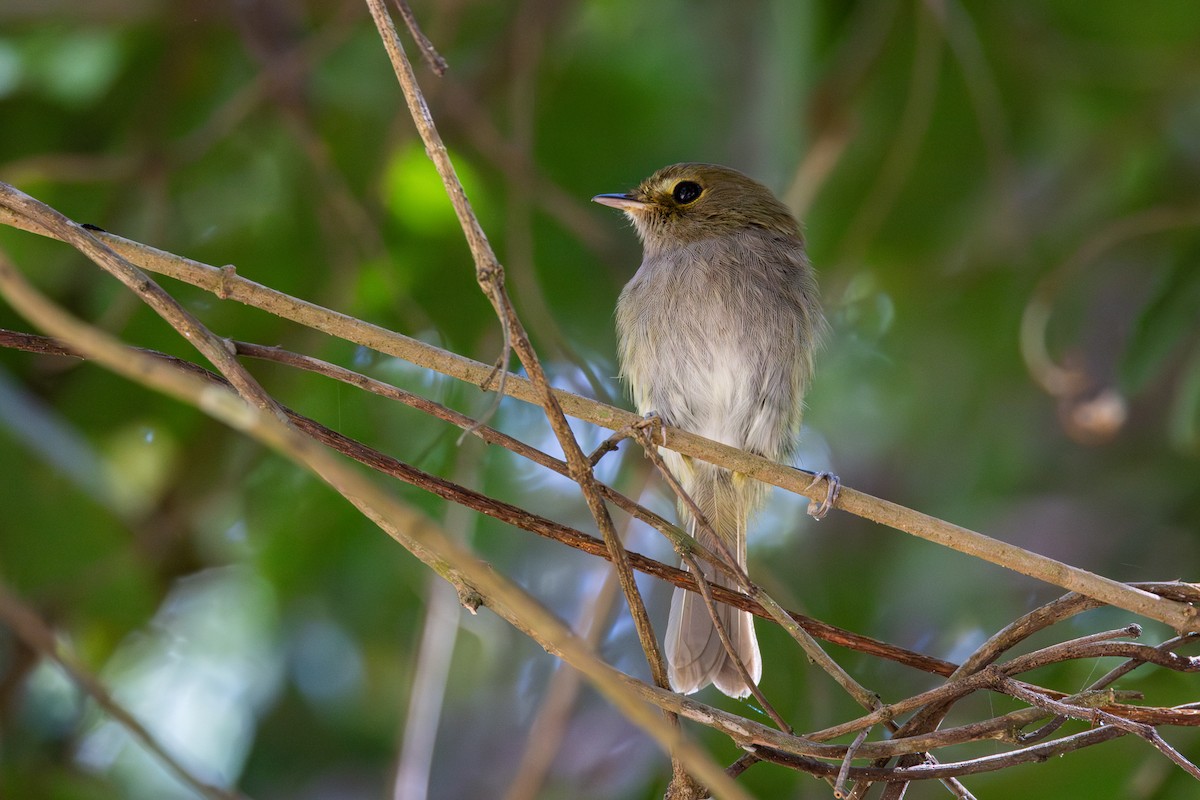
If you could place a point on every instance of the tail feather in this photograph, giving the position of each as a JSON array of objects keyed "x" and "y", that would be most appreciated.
[{"x": 695, "y": 654}]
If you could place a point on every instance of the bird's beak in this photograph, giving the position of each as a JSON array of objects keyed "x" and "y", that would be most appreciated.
[{"x": 624, "y": 202}]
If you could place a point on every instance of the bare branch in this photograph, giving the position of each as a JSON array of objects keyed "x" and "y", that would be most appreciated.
[
  {"x": 1097, "y": 717},
  {"x": 428, "y": 52}
]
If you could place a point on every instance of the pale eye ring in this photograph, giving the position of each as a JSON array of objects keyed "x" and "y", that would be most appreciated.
[{"x": 686, "y": 192}]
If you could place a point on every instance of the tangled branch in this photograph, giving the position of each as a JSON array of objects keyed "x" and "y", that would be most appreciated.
[
  {"x": 809, "y": 753},
  {"x": 914, "y": 747}
]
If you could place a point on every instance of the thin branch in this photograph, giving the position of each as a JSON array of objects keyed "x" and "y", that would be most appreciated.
[
  {"x": 1177, "y": 590},
  {"x": 951, "y": 769},
  {"x": 269, "y": 423},
  {"x": 929, "y": 717},
  {"x": 830, "y": 117},
  {"x": 1097, "y": 717},
  {"x": 904, "y": 145},
  {"x": 428, "y": 52},
  {"x": 29, "y": 627},
  {"x": 744, "y": 762},
  {"x": 863, "y": 696},
  {"x": 431, "y": 662},
  {"x": 723, "y": 634},
  {"x": 210, "y": 346},
  {"x": 547, "y": 730},
  {"x": 839, "y": 786},
  {"x": 956, "y": 688},
  {"x": 1059, "y": 380}
]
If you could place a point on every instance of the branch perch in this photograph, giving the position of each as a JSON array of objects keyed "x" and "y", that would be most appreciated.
[{"x": 226, "y": 283}]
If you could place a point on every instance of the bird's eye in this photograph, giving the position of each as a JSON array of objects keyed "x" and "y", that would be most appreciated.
[{"x": 686, "y": 192}]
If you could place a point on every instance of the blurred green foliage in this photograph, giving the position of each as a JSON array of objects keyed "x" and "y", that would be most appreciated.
[{"x": 951, "y": 161}]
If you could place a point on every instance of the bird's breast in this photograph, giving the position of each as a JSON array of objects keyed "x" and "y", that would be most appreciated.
[{"x": 711, "y": 355}]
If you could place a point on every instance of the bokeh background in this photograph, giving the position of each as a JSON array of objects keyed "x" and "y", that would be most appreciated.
[{"x": 959, "y": 166}]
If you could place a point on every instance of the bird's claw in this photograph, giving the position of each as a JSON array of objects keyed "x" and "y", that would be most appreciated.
[
  {"x": 833, "y": 489},
  {"x": 652, "y": 423}
]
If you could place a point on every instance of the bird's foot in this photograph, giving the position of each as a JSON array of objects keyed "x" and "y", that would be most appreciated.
[
  {"x": 650, "y": 424},
  {"x": 832, "y": 489}
]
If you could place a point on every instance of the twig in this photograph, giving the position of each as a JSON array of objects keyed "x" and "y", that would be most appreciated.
[
  {"x": 428, "y": 52},
  {"x": 382, "y": 463},
  {"x": 904, "y": 144},
  {"x": 744, "y": 762},
  {"x": 610, "y": 444},
  {"x": 929, "y": 717},
  {"x": 839, "y": 786},
  {"x": 951, "y": 769},
  {"x": 766, "y": 607},
  {"x": 210, "y": 346},
  {"x": 517, "y": 166},
  {"x": 1117, "y": 672},
  {"x": 453, "y": 492},
  {"x": 546, "y": 732},
  {"x": 1097, "y": 717},
  {"x": 723, "y": 634},
  {"x": 1033, "y": 660},
  {"x": 499, "y": 594},
  {"x": 1055, "y": 379},
  {"x": 727, "y": 557},
  {"x": 431, "y": 663},
  {"x": 1057, "y": 610},
  {"x": 956, "y": 688},
  {"x": 26, "y": 624},
  {"x": 986, "y": 101},
  {"x": 832, "y": 99}
]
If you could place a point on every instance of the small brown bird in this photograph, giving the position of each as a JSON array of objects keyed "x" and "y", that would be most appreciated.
[{"x": 717, "y": 334}]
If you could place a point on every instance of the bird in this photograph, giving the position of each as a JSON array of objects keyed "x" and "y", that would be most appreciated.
[{"x": 717, "y": 332}]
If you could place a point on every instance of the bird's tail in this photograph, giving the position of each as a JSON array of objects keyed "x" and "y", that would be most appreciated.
[{"x": 695, "y": 654}]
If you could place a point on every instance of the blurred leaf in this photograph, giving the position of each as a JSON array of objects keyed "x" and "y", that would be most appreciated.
[
  {"x": 413, "y": 191},
  {"x": 1184, "y": 423},
  {"x": 74, "y": 68},
  {"x": 1168, "y": 319},
  {"x": 11, "y": 68},
  {"x": 864, "y": 310}
]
